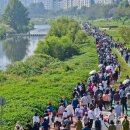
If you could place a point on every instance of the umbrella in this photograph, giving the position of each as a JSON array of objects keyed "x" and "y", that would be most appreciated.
[
  {"x": 93, "y": 72},
  {"x": 126, "y": 81},
  {"x": 100, "y": 66},
  {"x": 108, "y": 67}
]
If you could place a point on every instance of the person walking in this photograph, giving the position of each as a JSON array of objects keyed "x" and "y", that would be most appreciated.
[
  {"x": 86, "y": 127},
  {"x": 78, "y": 125},
  {"x": 124, "y": 103},
  {"x": 97, "y": 124},
  {"x": 125, "y": 124},
  {"x": 112, "y": 126},
  {"x": 118, "y": 110},
  {"x": 91, "y": 116}
]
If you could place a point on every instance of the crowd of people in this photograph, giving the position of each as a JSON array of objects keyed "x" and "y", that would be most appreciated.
[{"x": 92, "y": 105}]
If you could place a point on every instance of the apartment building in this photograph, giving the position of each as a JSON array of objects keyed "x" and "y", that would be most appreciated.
[
  {"x": 86, "y": 3},
  {"x": 3, "y": 4},
  {"x": 104, "y": 2}
]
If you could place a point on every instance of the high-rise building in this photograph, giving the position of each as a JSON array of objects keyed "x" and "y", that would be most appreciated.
[
  {"x": 57, "y": 5},
  {"x": 85, "y": 3},
  {"x": 104, "y": 2},
  {"x": 48, "y": 4},
  {"x": 3, "y": 4},
  {"x": 26, "y": 3}
]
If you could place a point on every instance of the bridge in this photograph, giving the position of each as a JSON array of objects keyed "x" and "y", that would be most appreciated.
[{"x": 27, "y": 34}]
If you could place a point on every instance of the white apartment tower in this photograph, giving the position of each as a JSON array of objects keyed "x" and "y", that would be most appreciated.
[
  {"x": 86, "y": 3},
  {"x": 3, "y": 4},
  {"x": 75, "y": 3},
  {"x": 48, "y": 4},
  {"x": 104, "y": 2}
]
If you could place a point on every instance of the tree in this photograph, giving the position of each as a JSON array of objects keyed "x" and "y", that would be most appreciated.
[
  {"x": 81, "y": 37},
  {"x": 124, "y": 3},
  {"x": 125, "y": 33},
  {"x": 36, "y": 9},
  {"x": 16, "y": 16}
]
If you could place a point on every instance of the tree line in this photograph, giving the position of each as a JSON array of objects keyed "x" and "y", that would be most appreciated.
[{"x": 63, "y": 39}]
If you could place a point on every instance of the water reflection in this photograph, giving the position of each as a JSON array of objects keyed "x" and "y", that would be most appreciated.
[
  {"x": 15, "y": 48},
  {"x": 18, "y": 48}
]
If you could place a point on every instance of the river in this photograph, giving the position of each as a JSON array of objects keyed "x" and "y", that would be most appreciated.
[{"x": 18, "y": 48}]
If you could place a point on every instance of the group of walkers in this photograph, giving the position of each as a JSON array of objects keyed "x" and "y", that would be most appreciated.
[{"x": 92, "y": 105}]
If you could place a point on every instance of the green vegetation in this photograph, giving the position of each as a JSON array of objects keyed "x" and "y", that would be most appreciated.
[
  {"x": 61, "y": 48},
  {"x": 26, "y": 95},
  {"x": 16, "y": 16},
  {"x": 28, "y": 86},
  {"x": 118, "y": 30},
  {"x": 62, "y": 39},
  {"x": 125, "y": 70},
  {"x": 4, "y": 29}
]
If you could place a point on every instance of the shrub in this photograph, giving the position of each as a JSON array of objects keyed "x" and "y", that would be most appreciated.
[
  {"x": 61, "y": 48},
  {"x": 32, "y": 66}
]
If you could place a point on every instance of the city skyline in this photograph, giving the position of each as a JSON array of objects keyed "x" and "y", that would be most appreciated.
[{"x": 57, "y": 5}]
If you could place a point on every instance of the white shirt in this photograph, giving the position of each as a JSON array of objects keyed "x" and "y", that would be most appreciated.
[
  {"x": 84, "y": 100},
  {"x": 111, "y": 117},
  {"x": 97, "y": 112},
  {"x": 65, "y": 114},
  {"x": 36, "y": 119},
  {"x": 70, "y": 110},
  {"x": 89, "y": 99},
  {"x": 91, "y": 114}
]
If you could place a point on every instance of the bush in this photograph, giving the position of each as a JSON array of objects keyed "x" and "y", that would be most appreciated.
[
  {"x": 61, "y": 48},
  {"x": 32, "y": 66}
]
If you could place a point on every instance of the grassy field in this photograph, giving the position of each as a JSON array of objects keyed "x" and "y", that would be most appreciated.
[
  {"x": 114, "y": 29},
  {"x": 125, "y": 69},
  {"x": 25, "y": 96}
]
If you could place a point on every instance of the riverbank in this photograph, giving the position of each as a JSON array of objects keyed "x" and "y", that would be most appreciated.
[{"x": 28, "y": 89}]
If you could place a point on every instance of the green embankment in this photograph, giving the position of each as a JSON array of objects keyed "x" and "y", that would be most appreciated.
[
  {"x": 29, "y": 86},
  {"x": 125, "y": 69},
  {"x": 26, "y": 95}
]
